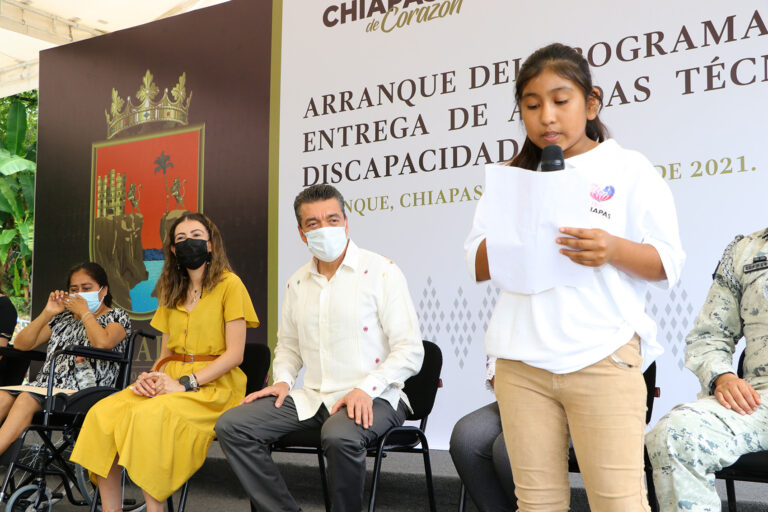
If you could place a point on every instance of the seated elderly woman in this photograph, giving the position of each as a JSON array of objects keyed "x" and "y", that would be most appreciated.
[{"x": 80, "y": 315}]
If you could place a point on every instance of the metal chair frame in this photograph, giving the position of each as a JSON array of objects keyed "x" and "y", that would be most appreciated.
[
  {"x": 412, "y": 439},
  {"x": 750, "y": 467},
  {"x": 53, "y": 460}
]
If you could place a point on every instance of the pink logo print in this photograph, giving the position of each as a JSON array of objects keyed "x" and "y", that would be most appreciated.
[{"x": 601, "y": 194}]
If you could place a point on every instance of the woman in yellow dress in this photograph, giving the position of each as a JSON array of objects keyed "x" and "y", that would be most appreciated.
[{"x": 160, "y": 428}]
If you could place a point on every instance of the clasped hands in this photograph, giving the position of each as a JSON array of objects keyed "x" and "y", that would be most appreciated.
[
  {"x": 151, "y": 384},
  {"x": 359, "y": 404},
  {"x": 736, "y": 394}
]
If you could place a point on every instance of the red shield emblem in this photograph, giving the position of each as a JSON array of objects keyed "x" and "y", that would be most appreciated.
[{"x": 139, "y": 187}]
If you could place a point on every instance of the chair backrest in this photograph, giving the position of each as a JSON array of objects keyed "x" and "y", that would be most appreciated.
[
  {"x": 650, "y": 385},
  {"x": 740, "y": 368},
  {"x": 421, "y": 389},
  {"x": 13, "y": 368},
  {"x": 124, "y": 377},
  {"x": 255, "y": 365}
]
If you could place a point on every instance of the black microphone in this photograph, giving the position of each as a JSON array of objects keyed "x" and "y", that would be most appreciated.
[{"x": 552, "y": 158}]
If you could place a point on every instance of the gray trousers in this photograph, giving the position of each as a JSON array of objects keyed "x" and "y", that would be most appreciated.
[
  {"x": 247, "y": 431},
  {"x": 694, "y": 440},
  {"x": 480, "y": 456}
]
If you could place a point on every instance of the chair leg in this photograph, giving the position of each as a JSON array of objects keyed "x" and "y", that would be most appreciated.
[
  {"x": 183, "y": 498},
  {"x": 169, "y": 502},
  {"x": 463, "y": 498},
  {"x": 375, "y": 478},
  {"x": 95, "y": 500},
  {"x": 653, "y": 502},
  {"x": 428, "y": 473},
  {"x": 730, "y": 490},
  {"x": 324, "y": 479}
]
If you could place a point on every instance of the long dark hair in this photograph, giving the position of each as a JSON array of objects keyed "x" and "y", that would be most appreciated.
[
  {"x": 95, "y": 272},
  {"x": 173, "y": 283},
  {"x": 571, "y": 65}
]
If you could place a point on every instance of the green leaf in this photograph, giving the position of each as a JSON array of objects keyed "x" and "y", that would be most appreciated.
[
  {"x": 11, "y": 164},
  {"x": 27, "y": 181},
  {"x": 27, "y": 232},
  {"x": 5, "y": 238},
  {"x": 8, "y": 200},
  {"x": 16, "y": 280},
  {"x": 16, "y": 128}
]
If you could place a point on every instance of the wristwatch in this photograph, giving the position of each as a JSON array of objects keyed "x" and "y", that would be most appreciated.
[{"x": 189, "y": 382}]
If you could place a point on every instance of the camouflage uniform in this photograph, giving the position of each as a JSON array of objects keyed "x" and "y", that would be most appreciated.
[{"x": 696, "y": 439}]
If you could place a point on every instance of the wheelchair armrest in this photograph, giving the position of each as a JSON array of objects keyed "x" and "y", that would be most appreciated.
[
  {"x": 91, "y": 353},
  {"x": 77, "y": 350},
  {"x": 32, "y": 355}
]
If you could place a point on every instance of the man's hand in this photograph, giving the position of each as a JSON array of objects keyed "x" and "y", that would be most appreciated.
[
  {"x": 279, "y": 389},
  {"x": 735, "y": 393},
  {"x": 359, "y": 407}
]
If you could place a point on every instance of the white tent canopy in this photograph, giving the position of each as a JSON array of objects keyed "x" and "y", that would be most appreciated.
[{"x": 29, "y": 26}]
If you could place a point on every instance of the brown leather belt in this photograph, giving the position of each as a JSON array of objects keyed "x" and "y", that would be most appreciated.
[{"x": 184, "y": 358}]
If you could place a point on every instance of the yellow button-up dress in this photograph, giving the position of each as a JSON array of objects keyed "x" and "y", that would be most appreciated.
[{"x": 162, "y": 441}]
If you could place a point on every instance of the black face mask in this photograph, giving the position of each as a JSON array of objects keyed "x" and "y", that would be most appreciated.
[{"x": 192, "y": 253}]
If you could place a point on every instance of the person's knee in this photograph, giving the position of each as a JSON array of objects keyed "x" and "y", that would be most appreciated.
[
  {"x": 499, "y": 450},
  {"x": 335, "y": 437},
  {"x": 461, "y": 437},
  {"x": 226, "y": 425},
  {"x": 667, "y": 436},
  {"x": 26, "y": 403}
]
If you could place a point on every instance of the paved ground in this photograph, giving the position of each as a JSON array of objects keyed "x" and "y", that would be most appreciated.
[{"x": 401, "y": 489}]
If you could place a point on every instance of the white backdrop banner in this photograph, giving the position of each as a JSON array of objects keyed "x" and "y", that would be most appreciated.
[{"x": 401, "y": 103}]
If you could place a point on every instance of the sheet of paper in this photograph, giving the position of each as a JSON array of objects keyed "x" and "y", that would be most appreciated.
[
  {"x": 526, "y": 209},
  {"x": 37, "y": 390}
]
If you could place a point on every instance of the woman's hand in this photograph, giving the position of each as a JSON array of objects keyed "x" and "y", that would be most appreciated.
[
  {"x": 166, "y": 384},
  {"x": 77, "y": 305},
  {"x": 56, "y": 302},
  {"x": 145, "y": 384},
  {"x": 588, "y": 247}
]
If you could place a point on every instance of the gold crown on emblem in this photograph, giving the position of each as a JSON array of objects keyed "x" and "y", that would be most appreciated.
[{"x": 148, "y": 110}]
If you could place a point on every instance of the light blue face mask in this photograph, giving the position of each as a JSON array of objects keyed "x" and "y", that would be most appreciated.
[{"x": 92, "y": 298}]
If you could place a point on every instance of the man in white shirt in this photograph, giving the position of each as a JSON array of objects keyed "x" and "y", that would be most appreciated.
[{"x": 349, "y": 321}]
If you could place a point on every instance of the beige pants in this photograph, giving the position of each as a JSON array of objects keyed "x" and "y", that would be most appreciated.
[{"x": 601, "y": 408}]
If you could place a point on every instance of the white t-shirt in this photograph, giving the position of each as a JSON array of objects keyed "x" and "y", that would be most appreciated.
[{"x": 565, "y": 328}]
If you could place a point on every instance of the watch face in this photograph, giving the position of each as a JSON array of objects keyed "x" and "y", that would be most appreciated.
[{"x": 184, "y": 381}]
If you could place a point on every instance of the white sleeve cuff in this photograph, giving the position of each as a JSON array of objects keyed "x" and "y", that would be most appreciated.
[
  {"x": 287, "y": 380},
  {"x": 373, "y": 385},
  {"x": 490, "y": 371}
]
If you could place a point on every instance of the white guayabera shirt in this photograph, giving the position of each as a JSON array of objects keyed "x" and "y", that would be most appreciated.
[{"x": 358, "y": 330}]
